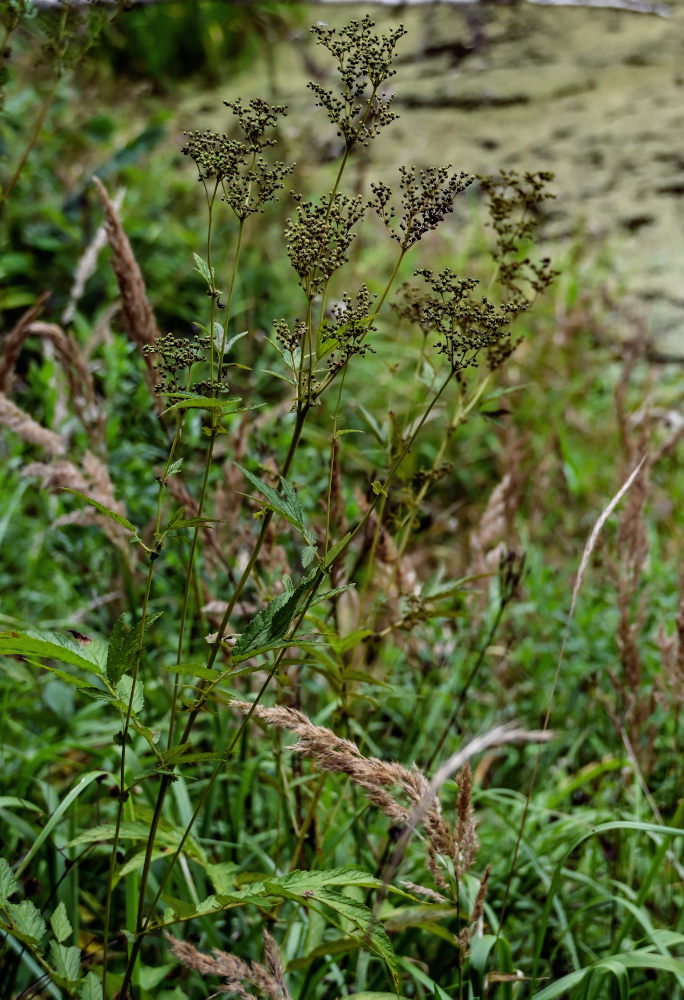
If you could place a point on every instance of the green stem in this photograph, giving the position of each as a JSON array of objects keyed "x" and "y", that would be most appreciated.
[
  {"x": 203, "y": 493},
  {"x": 122, "y": 782},
  {"x": 186, "y": 598}
]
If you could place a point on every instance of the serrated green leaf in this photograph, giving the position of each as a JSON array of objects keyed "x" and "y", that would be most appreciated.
[
  {"x": 8, "y": 882},
  {"x": 124, "y": 687},
  {"x": 66, "y": 961},
  {"x": 174, "y": 468},
  {"x": 90, "y": 988},
  {"x": 231, "y": 343},
  {"x": 27, "y": 923},
  {"x": 111, "y": 514},
  {"x": 292, "y": 499},
  {"x": 219, "y": 335},
  {"x": 116, "y": 652},
  {"x": 203, "y": 268},
  {"x": 305, "y": 881},
  {"x": 91, "y": 656},
  {"x": 186, "y": 911},
  {"x": 287, "y": 504},
  {"x": 323, "y": 888},
  {"x": 222, "y": 876},
  {"x": 191, "y": 401},
  {"x": 123, "y": 646},
  {"x": 271, "y": 624},
  {"x": 320, "y": 598},
  {"x": 308, "y": 555},
  {"x": 59, "y": 921},
  {"x": 178, "y": 515}
]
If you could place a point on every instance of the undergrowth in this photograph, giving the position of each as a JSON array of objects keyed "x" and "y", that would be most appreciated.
[{"x": 296, "y": 701}]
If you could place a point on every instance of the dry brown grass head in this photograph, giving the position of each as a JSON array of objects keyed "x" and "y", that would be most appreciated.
[
  {"x": 139, "y": 314},
  {"x": 268, "y": 980},
  {"x": 28, "y": 429},
  {"x": 399, "y": 792}
]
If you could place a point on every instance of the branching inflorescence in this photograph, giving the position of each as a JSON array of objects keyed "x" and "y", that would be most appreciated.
[
  {"x": 359, "y": 110},
  {"x": 427, "y": 197},
  {"x": 246, "y": 178}
]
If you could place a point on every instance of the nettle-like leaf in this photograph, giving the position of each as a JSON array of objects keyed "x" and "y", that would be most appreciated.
[
  {"x": 287, "y": 503},
  {"x": 270, "y": 625},
  {"x": 308, "y": 555},
  {"x": 90, "y": 988},
  {"x": 27, "y": 923},
  {"x": 59, "y": 921},
  {"x": 174, "y": 468},
  {"x": 322, "y": 890},
  {"x": 193, "y": 400},
  {"x": 124, "y": 686},
  {"x": 123, "y": 645},
  {"x": 220, "y": 336},
  {"x": 107, "y": 511},
  {"x": 8, "y": 882},
  {"x": 66, "y": 961},
  {"x": 90, "y": 655},
  {"x": 204, "y": 269}
]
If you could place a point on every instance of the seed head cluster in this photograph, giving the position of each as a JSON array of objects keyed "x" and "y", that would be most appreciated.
[
  {"x": 514, "y": 211},
  {"x": 427, "y": 196},
  {"x": 290, "y": 339},
  {"x": 465, "y": 326},
  {"x": 349, "y": 325},
  {"x": 247, "y": 180},
  {"x": 178, "y": 354},
  {"x": 319, "y": 237},
  {"x": 358, "y": 110}
]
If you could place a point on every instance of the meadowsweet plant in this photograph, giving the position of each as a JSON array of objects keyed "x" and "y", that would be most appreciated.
[{"x": 286, "y": 595}]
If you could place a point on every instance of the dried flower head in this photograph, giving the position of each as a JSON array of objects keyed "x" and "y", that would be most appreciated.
[
  {"x": 358, "y": 110},
  {"x": 514, "y": 210},
  {"x": 319, "y": 237},
  {"x": 464, "y": 325},
  {"x": 246, "y": 178},
  {"x": 385, "y": 783},
  {"x": 347, "y": 328},
  {"x": 176, "y": 355},
  {"x": 427, "y": 196},
  {"x": 269, "y": 981}
]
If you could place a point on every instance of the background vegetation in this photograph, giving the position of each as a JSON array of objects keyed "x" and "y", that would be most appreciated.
[{"x": 471, "y": 607}]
